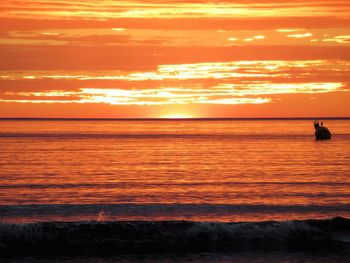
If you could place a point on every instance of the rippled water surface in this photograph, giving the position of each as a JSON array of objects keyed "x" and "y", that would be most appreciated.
[{"x": 218, "y": 170}]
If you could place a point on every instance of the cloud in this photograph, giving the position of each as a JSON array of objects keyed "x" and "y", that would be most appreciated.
[
  {"x": 237, "y": 82},
  {"x": 288, "y": 30},
  {"x": 338, "y": 39},
  {"x": 104, "y": 37},
  {"x": 227, "y": 23},
  {"x": 140, "y": 58},
  {"x": 249, "y": 93},
  {"x": 234, "y": 70},
  {"x": 302, "y": 35},
  {"x": 164, "y": 96},
  {"x": 97, "y": 10}
]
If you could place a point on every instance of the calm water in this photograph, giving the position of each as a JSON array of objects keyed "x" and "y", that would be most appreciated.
[{"x": 223, "y": 170}]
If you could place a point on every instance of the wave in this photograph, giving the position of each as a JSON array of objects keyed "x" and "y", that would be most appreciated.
[
  {"x": 145, "y": 209},
  {"x": 125, "y": 237},
  {"x": 162, "y": 136},
  {"x": 146, "y": 184}
]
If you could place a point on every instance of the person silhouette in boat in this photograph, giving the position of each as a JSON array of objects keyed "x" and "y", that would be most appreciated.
[
  {"x": 316, "y": 124},
  {"x": 321, "y": 132}
]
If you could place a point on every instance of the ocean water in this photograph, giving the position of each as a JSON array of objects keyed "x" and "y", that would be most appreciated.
[
  {"x": 218, "y": 170},
  {"x": 173, "y": 170}
]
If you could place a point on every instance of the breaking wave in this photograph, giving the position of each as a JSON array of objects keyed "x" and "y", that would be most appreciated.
[{"x": 121, "y": 237}]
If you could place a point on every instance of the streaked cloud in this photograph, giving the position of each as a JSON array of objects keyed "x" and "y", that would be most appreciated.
[
  {"x": 259, "y": 37},
  {"x": 118, "y": 29},
  {"x": 221, "y": 94},
  {"x": 288, "y": 30},
  {"x": 248, "y": 69},
  {"x": 104, "y": 10},
  {"x": 177, "y": 38},
  {"x": 338, "y": 39},
  {"x": 238, "y": 82},
  {"x": 302, "y": 35},
  {"x": 163, "y": 96}
]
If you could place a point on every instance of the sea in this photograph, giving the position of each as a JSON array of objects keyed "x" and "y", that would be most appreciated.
[{"x": 198, "y": 172}]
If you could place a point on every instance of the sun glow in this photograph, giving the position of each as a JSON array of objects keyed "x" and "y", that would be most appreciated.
[{"x": 176, "y": 116}]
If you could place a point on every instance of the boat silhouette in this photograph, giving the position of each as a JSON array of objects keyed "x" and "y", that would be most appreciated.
[{"x": 321, "y": 132}]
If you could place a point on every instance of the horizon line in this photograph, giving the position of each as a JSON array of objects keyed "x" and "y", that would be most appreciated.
[{"x": 166, "y": 119}]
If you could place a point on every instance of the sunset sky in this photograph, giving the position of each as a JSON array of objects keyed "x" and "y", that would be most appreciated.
[{"x": 165, "y": 58}]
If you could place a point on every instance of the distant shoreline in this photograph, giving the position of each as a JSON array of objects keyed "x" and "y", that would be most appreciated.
[{"x": 171, "y": 119}]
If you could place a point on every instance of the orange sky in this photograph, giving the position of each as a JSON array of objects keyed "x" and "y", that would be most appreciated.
[{"x": 165, "y": 58}]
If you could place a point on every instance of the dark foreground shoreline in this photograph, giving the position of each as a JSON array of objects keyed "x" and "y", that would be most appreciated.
[{"x": 92, "y": 238}]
